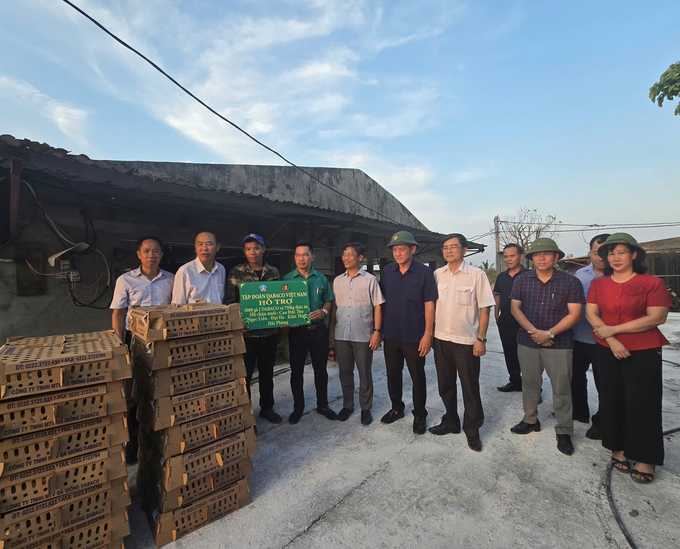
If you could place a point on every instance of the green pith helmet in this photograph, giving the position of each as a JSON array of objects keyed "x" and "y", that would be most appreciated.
[
  {"x": 544, "y": 245},
  {"x": 621, "y": 238},
  {"x": 402, "y": 237}
]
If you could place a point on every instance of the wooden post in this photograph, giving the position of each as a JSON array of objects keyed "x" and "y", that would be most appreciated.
[
  {"x": 15, "y": 187},
  {"x": 498, "y": 244}
]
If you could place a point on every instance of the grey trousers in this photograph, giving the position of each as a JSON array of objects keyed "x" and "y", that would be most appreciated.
[
  {"x": 558, "y": 365},
  {"x": 348, "y": 353}
]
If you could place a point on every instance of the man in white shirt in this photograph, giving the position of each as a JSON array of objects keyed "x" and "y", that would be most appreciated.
[
  {"x": 146, "y": 285},
  {"x": 203, "y": 278},
  {"x": 461, "y": 321},
  {"x": 356, "y": 329}
]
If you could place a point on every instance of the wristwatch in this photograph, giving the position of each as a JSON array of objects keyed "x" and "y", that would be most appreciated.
[
  {"x": 379, "y": 330},
  {"x": 481, "y": 340},
  {"x": 325, "y": 311},
  {"x": 550, "y": 334}
]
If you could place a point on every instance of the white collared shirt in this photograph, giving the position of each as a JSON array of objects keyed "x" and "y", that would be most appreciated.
[
  {"x": 193, "y": 282},
  {"x": 133, "y": 289},
  {"x": 461, "y": 295}
]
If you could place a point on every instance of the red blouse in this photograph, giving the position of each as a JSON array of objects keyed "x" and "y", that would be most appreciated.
[{"x": 622, "y": 302}]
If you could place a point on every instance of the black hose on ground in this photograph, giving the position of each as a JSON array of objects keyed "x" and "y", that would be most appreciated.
[{"x": 612, "y": 505}]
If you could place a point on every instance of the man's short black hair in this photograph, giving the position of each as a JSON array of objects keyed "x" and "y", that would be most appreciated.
[
  {"x": 141, "y": 241},
  {"x": 461, "y": 239},
  {"x": 217, "y": 240},
  {"x": 600, "y": 239},
  {"x": 359, "y": 248},
  {"x": 520, "y": 250},
  {"x": 307, "y": 244}
]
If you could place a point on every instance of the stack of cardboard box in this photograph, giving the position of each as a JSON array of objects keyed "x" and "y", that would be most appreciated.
[
  {"x": 196, "y": 421},
  {"x": 63, "y": 478}
]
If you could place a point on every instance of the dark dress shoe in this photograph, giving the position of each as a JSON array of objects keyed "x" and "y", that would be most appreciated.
[
  {"x": 344, "y": 414},
  {"x": 509, "y": 388},
  {"x": 391, "y": 417},
  {"x": 564, "y": 444},
  {"x": 131, "y": 449},
  {"x": 419, "y": 426},
  {"x": 443, "y": 429},
  {"x": 366, "y": 417},
  {"x": 475, "y": 443},
  {"x": 271, "y": 416},
  {"x": 594, "y": 433},
  {"x": 525, "y": 428},
  {"x": 295, "y": 417},
  {"x": 327, "y": 413}
]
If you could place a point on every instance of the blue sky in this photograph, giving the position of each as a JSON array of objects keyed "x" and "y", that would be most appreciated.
[{"x": 463, "y": 110}]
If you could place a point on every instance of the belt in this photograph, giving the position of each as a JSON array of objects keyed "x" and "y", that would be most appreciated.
[{"x": 310, "y": 326}]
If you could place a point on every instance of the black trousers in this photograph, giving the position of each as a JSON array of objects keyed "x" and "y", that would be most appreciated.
[
  {"x": 132, "y": 422},
  {"x": 454, "y": 360},
  {"x": 261, "y": 352},
  {"x": 584, "y": 356},
  {"x": 509, "y": 342},
  {"x": 630, "y": 404},
  {"x": 315, "y": 342},
  {"x": 395, "y": 354}
]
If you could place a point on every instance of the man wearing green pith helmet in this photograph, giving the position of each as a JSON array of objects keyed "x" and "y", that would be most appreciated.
[
  {"x": 410, "y": 293},
  {"x": 546, "y": 303}
]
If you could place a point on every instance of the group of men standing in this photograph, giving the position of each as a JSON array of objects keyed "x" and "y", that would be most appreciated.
[{"x": 412, "y": 309}]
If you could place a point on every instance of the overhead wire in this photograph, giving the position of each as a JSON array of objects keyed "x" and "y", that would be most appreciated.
[
  {"x": 594, "y": 226},
  {"x": 220, "y": 116}
]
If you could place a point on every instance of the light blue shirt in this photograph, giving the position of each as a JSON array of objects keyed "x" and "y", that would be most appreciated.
[
  {"x": 583, "y": 331},
  {"x": 134, "y": 289}
]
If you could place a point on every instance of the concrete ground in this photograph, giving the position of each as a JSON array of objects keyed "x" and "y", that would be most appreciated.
[{"x": 343, "y": 485}]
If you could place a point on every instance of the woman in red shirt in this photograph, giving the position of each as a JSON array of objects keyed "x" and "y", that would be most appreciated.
[{"x": 625, "y": 308}]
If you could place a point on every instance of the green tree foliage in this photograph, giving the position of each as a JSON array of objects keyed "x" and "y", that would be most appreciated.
[
  {"x": 668, "y": 87},
  {"x": 490, "y": 271}
]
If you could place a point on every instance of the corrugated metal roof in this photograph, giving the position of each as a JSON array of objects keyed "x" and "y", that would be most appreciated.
[{"x": 665, "y": 245}]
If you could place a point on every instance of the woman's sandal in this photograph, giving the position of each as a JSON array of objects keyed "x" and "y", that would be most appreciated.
[
  {"x": 642, "y": 478},
  {"x": 621, "y": 465}
]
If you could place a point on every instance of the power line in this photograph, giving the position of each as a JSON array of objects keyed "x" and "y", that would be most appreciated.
[
  {"x": 190, "y": 94},
  {"x": 593, "y": 226}
]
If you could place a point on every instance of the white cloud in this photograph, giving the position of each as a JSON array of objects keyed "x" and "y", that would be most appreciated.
[
  {"x": 409, "y": 113},
  {"x": 297, "y": 75},
  {"x": 422, "y": 34},
  {"x": 467, "y": 176},
  {"x": 70, "y": 120},
  {"x": 410, "y": 184}
]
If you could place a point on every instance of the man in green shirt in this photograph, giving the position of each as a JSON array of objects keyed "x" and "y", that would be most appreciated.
[{"x": 311, "y": 338}]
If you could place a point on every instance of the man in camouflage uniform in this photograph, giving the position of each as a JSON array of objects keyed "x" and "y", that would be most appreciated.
[{"x": 261, "y": 345}]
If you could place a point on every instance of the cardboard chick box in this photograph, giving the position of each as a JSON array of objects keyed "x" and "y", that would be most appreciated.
[{"x": 154, "y": 323}]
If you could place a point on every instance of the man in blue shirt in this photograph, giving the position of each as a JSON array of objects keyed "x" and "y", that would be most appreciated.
[
  {"x": 584, "y": 345},
  {"x": 312, "y": 338},
  {"x": 410, "y": 293},
  {"x": 146, "y": 285}
]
